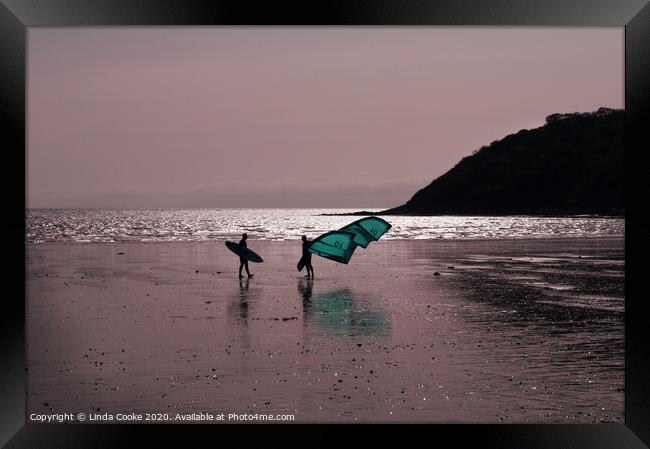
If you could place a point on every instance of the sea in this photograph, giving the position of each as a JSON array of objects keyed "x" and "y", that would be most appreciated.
[{"x": 180, "y": 225}]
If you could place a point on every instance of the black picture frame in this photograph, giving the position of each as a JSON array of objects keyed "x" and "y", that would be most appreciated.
[{"x": 17, "y": 15}]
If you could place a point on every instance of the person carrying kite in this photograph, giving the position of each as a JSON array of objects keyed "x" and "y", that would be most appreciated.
[{"x": 306, "y": 257}]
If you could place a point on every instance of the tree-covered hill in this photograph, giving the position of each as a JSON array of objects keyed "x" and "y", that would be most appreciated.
[{"x": 571, "y": 165}]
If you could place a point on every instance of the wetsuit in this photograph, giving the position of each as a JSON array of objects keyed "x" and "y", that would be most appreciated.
[
  {"x": 306, "y": 256},
  {"x": 243, "y": 244},
  {"x": 305, "y": 252}
]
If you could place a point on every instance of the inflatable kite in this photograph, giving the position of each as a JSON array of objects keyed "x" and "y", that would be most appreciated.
[
  {"x": 367, "y": 230},
  {"x": 334, "y": 245},
  {"x": 339, "y": 245}
]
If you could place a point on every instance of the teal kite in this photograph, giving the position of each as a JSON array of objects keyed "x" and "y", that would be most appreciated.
[
  {"x": 367, "y": 230},
  {"x": 339, "y": 245},
  {"x": 334, "y": 245}
]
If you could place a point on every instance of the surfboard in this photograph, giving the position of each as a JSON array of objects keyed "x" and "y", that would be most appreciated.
[
  {"x": 301, "y": 264},
  {"x": 244, "y": 252}
]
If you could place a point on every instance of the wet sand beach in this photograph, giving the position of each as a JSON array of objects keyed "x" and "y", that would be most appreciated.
[{"x": 471, "y": 331}]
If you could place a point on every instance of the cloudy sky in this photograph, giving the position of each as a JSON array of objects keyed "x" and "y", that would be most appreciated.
[{"x": 291, "y": 117}]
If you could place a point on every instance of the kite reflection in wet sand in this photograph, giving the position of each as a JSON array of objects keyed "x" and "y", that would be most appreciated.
[{"x": 340, "y": 245}]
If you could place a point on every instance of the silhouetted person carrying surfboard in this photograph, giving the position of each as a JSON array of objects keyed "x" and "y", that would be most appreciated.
[
  {"x": 242, "y": 261},
  {"x": 306, "y": 257},
  {"x": 245, "y": 255}
]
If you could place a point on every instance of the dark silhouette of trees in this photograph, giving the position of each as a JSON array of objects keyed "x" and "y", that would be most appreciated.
[{"x": 571, "y": 165}]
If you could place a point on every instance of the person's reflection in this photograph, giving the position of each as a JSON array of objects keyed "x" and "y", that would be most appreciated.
[
  {"x": 305, "y": 287},
  {"x": 239, "y": 308},
  {"x": 243, "y": 299},
  {"x": 238, "y": 330}
]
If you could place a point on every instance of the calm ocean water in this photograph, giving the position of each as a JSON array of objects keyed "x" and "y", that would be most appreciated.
[{"x": 99, "y": 225}]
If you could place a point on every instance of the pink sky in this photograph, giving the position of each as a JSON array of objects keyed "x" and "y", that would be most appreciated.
[{"x": 291, "y": 117}]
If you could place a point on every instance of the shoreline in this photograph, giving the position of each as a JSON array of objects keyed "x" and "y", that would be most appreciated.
[
  {"x": 254, "y": 238},
  {"x": 275, "y": 224}
]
